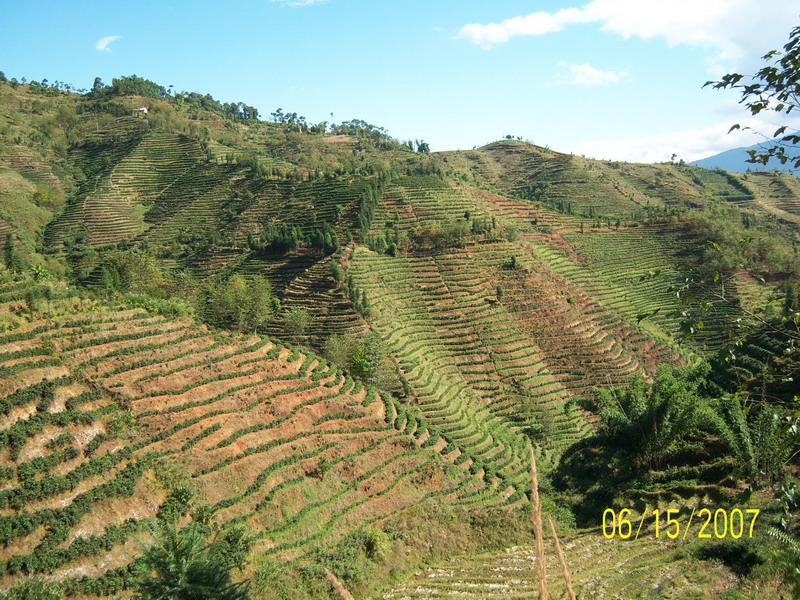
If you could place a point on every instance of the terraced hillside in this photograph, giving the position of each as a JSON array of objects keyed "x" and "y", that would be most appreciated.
[
  {"x": 98, "y": 402},
  {"x": 489, "y": 370},
  {"x": 627, "y": 570},
  {"x": 613, "y": 190},
  {"x": 331, "y": 312},
  {"x": 507, "y": 285}
]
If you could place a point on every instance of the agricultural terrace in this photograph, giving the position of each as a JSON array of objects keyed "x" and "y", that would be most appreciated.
[
  {"x": 108, "y": 412},
  {"x": 625, "y": 570}
]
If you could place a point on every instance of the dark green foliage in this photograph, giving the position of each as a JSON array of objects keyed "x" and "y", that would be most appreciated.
[
  {"x": 763, "y": 363},
  {"x": 761, "y": 439},
  {"x": 336, "y": 271},
  {"x": 351, "y": 558},
  {"x": 11, "y": 258},
  {"x": 40, "y": 392},
  {"x": 81, "y": 258},
  {"x": 649, "y": 421},
  {"x": 237, "y": 111},
  {"x": 535, "y": 191},
  {"x": 373, "y": 192},
  {"x": 176, "y": 505},
  {"x": 730, "y": 421},
  {"x": 364, "y": 357},
  {"x": 357, "y": 296},
  {"x": 184, "y": 565},
  {"x": 16, "y": 436},
  {"x": 387, "y": 242},
  {"x": 133, "y": 271},
  {"x": 649, "y": 435},
  {"x": 135, "y": 86},
  {"x": 277, "y": 239},
  {"x": 238, "y": 302},
  {"x": 295, "y": 321},
  {"x": 737, "y": 555},
  {"x": 34, "y": 589},
  {"x": 49, "y": 553},
  {"x": 510, "y": 263},
  {"x": 377, "y": 136},
  {"x": 324, "y": 238},
  {"x": 440, "y": 235}
]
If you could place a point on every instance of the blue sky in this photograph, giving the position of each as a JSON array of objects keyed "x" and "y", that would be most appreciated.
[{"x": 606, "y": 78}]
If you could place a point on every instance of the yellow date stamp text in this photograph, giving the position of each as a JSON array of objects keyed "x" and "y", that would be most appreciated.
[{"x": 672, "y": 523}]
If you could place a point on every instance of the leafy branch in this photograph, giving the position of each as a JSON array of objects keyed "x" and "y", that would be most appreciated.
[{"x": 775, "y": 87}]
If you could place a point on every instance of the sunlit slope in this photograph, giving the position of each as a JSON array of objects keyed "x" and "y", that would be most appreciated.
[
  {"x": 490, "y": 368},
  {"x": 630, "y": 268},
  {"x": 599, "y": 568},
  {"x": 106, "y": 410},
  {"x": 593, "y": 189}
]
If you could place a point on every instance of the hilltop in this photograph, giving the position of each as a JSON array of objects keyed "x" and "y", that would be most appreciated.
[{"x": 343, "y": 341}]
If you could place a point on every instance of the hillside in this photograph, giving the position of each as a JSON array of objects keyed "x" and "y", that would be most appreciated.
[
  {"x": 323, "y": 335},
  {"x": 108, "y": 412}
]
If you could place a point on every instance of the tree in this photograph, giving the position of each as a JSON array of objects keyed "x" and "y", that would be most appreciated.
[
  {"x": 336, "y": 271},
  {"x": 134, "y": 85},
  {"x": 337, "y": 349},
  {"x": 277, "y": 239},
  {"x": 184, "y": 565},
  {"x": 649, "y": 421},
  {"x": 9, "y": 252},
  {"x": 367, "y": 357},
  {"x": 260, "y": 305},
  {"x": 440, "y": 234},
  {"x": 133, "y": 271},
  {"x": 98, "y": 85},
  {"x": 510, "y": 263},
  {"x": 364, "y": 357},
  {"x": 775, "y": 87},
  {"x": 760, "y": 440},
  {"x": 295, "y": 321},
  {"x": 238, "y": 302}
]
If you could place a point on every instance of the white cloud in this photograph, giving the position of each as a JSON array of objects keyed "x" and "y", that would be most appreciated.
[
  {"x": 689, "y": 144},
  {"x": 537, "y": 23},
  {"x": 103, "y": 43},
  {"x": 298, "y": 3},
  {"x": 585, "y": 74},
  {"x": 732, "y": 29}
]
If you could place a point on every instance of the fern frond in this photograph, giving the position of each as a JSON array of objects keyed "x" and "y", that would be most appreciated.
[{"x": 785, "y": 539}]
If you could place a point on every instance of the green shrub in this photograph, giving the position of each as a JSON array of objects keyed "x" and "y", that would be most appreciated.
[
  {"x": 296, "y": 321},
  {"x": 188, "y": 563},
  {"x": 238, "y": 302},
  {"x": 34, "y": 589},
  {"x": 272, "y": 581}
]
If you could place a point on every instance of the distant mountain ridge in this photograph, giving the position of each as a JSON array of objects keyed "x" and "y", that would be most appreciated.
[{"x": 736, "y": 160}]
